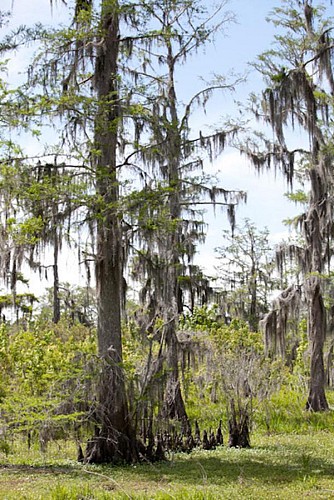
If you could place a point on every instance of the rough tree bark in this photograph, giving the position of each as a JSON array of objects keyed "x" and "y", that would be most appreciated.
[
  {"x": 316, "y": 328},
  {"x": 315, "y": 228},
  {"x": 114, "y": 439}
]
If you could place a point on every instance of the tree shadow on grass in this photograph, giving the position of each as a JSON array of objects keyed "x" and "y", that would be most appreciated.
[
  {"x": 270, "y": 464},
  {"x": 71, "y": 470},
  {"x": 221, "y": 467}
]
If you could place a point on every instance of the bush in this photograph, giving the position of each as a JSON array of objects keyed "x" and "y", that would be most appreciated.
[{"x": 48, "y": 371}]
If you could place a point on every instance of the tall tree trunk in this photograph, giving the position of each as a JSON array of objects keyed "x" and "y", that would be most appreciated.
[
  {"x": 174, "y": 406},
  {"x": 315, "y": 230},
  {"x": 301, "y": 89},
  {"x": 114, "y": 439}
]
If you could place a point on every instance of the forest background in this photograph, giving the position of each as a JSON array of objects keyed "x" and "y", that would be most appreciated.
[{"x": 120, "y": 184}]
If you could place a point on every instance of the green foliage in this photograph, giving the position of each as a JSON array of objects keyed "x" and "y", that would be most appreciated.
[
  {"x": 298, "y": 196},
  {"x": 27, "y": 232},
  {"x": 232, "y": 371},
  {"x": 135, "y": 349},
  {"x": 22, "y": 303},
  {"x": 237, "y": 336},
  {"x": 302, "y": 361},
  {"x": 47, "y": 374},
  {"x": 4, "y": 447},
  {"x": 233, "y": 336},
  {"x": 201, "y": 318}
]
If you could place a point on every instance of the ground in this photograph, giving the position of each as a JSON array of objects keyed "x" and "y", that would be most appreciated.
[{"x": 276, "y": 467}]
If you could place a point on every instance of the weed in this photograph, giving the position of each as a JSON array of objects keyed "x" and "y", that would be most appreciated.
[{"x": 4, "y": 447}]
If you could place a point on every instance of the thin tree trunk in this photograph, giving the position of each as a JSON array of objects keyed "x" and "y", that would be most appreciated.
[
  {"x": 114, "y": 439},
  {"x": 253, "y": 316},
  {"x": 56, "y": 301},
  {"x": 174, "y": 406}
]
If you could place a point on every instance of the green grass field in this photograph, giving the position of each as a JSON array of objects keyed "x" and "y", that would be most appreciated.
[{"x": 281, "y": 466}]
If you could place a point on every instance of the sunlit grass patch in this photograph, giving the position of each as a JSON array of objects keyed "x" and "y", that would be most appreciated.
[{"x": 277, "y": 466}]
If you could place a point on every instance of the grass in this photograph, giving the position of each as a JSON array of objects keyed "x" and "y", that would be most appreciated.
[{"x": 282, "y": 466}]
